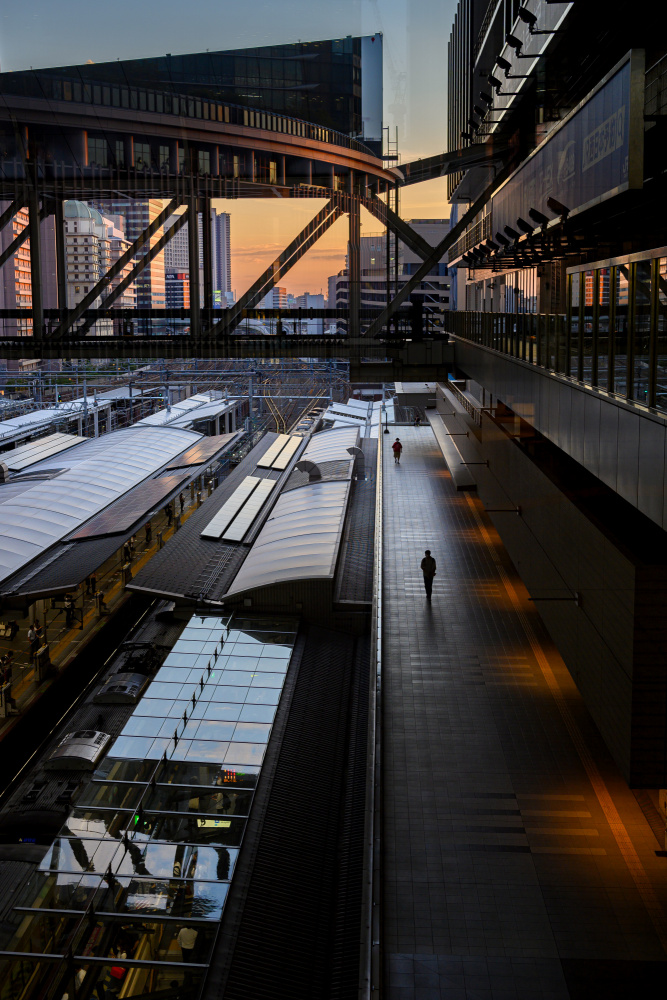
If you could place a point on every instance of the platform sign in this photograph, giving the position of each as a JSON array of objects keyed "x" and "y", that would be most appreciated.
[{"x": 594, "y": 154}]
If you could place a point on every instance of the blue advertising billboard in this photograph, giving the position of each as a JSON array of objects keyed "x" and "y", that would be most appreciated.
[{"x": 594, "y": 154}]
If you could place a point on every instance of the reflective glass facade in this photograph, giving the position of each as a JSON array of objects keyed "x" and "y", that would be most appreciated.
[
  {"x": 613, "y": 336},
  {"x": 319, "y": 82},
  {"x": 127, "y": 900}
]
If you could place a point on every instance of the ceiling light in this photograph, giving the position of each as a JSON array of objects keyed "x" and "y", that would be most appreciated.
[
  {"x": 557, "y": 207},
  {"x": 527, "y": 17}
]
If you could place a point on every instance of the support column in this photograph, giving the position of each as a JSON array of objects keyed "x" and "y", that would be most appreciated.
[
  {"x": 207, "y": 257},
  {"x": 61, "y": 256},
  {"x": 193, "y": 251},
  {"x": 35, "y": 265},
  {"x": 354, "y": 267}
]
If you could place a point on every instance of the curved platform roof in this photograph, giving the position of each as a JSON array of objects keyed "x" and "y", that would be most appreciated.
[
  {"x": 300, "y": 539},
  {"x": 37, "y": 513}
]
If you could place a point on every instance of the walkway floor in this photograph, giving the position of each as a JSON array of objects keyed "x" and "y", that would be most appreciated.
[{"x": 517, "y": 863}]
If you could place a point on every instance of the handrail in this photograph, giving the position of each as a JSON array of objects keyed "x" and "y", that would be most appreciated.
[
  {"x": 370, "y": 966},
  {"x": 472, "y": 410}
]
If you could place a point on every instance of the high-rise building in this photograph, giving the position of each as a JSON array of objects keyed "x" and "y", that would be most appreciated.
[
  {"x": 314, "y": 326},
  {"x": 275, "y": 299},
  {"x": 177, "y": 284},
  {"x": 433, "y": 291},
  {"x": 137, "y": 216},
  {"x": 177, "y": 253},
  {"x": 93, "y": 243},
  {"x": 15, "y": 280}
]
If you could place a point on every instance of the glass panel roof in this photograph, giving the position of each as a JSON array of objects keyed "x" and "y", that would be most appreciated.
[
  {"x": 155, "y": 836},
  {"x": 271, "y": 454},
  {"x": 230, "y": 507},
  {"x": 35, "y": 451}
]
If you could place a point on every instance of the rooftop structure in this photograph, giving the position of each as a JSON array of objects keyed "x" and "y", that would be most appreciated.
[{"x": 62, "y": 516}]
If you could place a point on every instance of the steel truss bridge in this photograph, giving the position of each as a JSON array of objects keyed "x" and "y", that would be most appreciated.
[{"x": 201, "y": 150}]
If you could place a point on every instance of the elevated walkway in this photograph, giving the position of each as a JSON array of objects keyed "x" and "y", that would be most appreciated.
[{"x": 516, "y": 861}]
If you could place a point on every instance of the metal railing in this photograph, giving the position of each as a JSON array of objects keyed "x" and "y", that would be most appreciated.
[
  {"x": 467, "y": 405},
  {"x": 538, "y": 338},
  {"x": 370, "y": 967}
]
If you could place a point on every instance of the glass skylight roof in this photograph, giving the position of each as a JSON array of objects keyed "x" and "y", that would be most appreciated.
[{"x": 142, "y": 866}]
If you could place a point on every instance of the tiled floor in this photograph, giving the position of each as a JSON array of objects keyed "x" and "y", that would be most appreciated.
[{"x": 517, "y": 864}]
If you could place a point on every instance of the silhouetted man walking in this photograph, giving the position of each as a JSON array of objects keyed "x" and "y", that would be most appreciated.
[{"x": 428, "y": 569}]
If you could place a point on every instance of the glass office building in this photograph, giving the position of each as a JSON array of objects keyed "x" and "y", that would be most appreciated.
[
  {"x": 128, "y": 899},
  {"x": 318, "y": 82}
]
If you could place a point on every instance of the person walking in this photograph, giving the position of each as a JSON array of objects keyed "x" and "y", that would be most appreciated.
[
  {"x": 148, "y": 531},
  {"x": 397, "y": 448},
  {"x": 187, "y": 939},
  {"x": 181, "y": 500},
  {"x": 428, "y": 569}
]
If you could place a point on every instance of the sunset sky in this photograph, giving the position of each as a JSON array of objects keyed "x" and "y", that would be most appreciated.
[{"x": 41, "y": 33}]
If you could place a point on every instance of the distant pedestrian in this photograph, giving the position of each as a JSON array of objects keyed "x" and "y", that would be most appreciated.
[
  {"x": 7, "y": 665},
  {"x": 91, "y": 584},
  {"x": 69, "y": 610},
  {"x": 127, "y": 555},
  {"x": 32, "y": 641},
  {"x": 428, "y": 569},
  {"x": 397, "y": 448},
  {"x": 169, "y": 514},
  {"x": 133, "y": 542},
  {"x": 418, "y": 421},
  {"x": 181, "y": 500},
  {"x": 148, "y": 531}
]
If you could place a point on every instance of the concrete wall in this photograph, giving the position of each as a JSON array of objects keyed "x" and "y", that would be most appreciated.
[
  {"x": 612, "y": 642},
  {"x": 620, "y": 443}
]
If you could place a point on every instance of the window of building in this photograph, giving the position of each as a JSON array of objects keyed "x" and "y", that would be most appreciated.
[
  {"x": 120, "y": 153},
  {"x": 204, "y": 161},
  {"x": 142, "y": 156},
  {"x": 97, "y": 152}
]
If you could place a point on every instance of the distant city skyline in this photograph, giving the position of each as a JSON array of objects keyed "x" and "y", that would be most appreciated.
[{"x": 415, "y": 80}]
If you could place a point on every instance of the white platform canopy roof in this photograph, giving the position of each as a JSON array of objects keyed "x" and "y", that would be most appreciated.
[
  {"x": 98, "y": 472},
  {"x": 300, "y": 539}
]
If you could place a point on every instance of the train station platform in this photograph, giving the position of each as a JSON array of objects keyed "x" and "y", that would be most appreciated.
[{"x": 517, "y": 863}]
